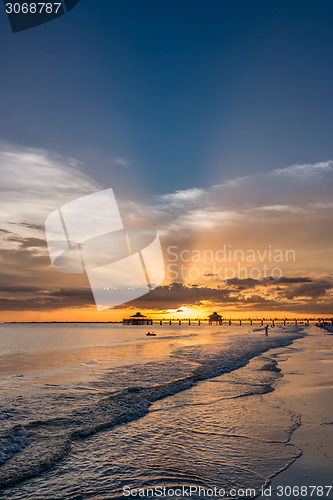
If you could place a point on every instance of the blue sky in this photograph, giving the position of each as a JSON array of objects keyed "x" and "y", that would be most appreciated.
[{"x": 168, "y": 95}]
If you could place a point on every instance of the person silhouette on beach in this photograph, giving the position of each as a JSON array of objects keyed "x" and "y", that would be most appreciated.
[{"x": 266, "y": 330}]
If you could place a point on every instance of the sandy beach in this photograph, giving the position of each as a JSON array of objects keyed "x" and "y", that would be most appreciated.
[{"x": 307, "y": 389}]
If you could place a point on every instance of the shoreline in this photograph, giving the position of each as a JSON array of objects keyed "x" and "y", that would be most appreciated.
[
  {"x": 306, "y": 388},
  {"x": 133, "y": 402},
  {"x": 315, "y": 347}
]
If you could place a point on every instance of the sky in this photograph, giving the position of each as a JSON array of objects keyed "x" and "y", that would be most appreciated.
[{"x": 211, "y": 121}]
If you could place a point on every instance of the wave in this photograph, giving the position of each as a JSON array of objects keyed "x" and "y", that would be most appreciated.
[
  {"x": 43, "y": 442},
  {"x": 12, "y": 442}
]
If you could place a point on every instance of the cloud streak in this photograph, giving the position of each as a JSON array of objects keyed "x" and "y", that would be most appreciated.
[{"x": 34, "y": 182}]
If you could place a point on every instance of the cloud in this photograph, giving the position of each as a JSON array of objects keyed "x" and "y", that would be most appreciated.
[
  {"x": 246, "y": 283},
  {"x": 304, "y": 171},
  {"x": 294, "y": 280},
  {"x": 120, "y": 161},
  {"x": 173, "y": 296},
  {"x": 31, "y": 225},
  {"x": 22, "y": 289},
  {"x": 29, "y": 242},
  {"x": 284, "y": 208},
  {"x": 34, "y": 182},
  {"x": 177, "y": 294},
  {"x": 288, "y": 208},
  {"x": 47, "y": 300},
  {"x": 249, "y": 295},
  {"x": 186, "y": 195},
  {"x": 313, "y": 290},
  {"x": 280, "y": 198}
]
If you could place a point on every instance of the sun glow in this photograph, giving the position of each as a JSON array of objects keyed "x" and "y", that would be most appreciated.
[{"x": 185, "y": 312}]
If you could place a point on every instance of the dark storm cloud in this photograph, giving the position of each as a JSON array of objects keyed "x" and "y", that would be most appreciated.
[
  {"x": 84, "y": 294},
  {"x": 243, "y": 284},
  {"x": 293, "y": 280},
  {"x": 312, "y": 290},
  {"x": 29, "y": 225},
  {"x": 22, "y": 240},
  {"x": 20, "y": 263},
  {"x": 177, "y": 294},
  {"x": 246, "y": 283},
  {"x": 18, "y": 289},
  {"x": 28, "y": 242},
  {"x": 47, "y": 300},
  {"x": 28, "y": 281},
  {"x": 290, "y": 297}
]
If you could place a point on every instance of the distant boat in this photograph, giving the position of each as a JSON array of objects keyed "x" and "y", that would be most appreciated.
[{"x": 149, "y": 334}]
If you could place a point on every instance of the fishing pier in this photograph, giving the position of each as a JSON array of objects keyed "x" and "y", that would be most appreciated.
[{"x": 216, "y": 319}]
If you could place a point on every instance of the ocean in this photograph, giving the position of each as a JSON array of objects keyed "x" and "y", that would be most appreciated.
[{"x": 100, "y": 411}]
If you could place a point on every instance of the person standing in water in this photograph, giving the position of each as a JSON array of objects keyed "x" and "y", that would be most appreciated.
[{"x": 266, "y": 330}]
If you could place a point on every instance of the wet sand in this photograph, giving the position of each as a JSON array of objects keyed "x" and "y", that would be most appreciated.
[{"x": 307, "y": 389}]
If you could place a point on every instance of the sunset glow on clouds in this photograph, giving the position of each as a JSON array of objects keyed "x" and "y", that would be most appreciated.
[{"x": 262, "y": 216}]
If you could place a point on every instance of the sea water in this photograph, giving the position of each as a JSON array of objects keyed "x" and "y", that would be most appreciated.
[{"x": 97, "y": 410}]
